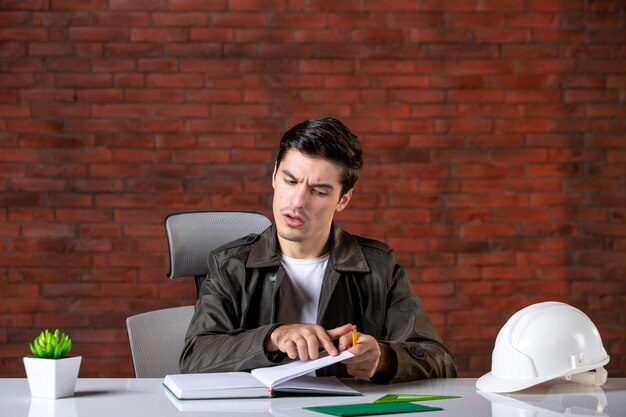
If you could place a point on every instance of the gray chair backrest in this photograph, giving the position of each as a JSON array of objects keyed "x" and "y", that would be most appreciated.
[
  {"x": 157, "y": 339},
  {"x": 192, "y": 236}
]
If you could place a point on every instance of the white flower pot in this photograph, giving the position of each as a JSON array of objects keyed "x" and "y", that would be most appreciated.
[{"x": 52, "y": 378}]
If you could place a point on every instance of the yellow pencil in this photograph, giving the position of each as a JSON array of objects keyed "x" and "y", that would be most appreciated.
[{"x": 354, "y": 343}]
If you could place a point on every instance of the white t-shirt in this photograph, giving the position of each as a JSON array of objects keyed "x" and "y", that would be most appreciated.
[{"x": 300, "y": 289}]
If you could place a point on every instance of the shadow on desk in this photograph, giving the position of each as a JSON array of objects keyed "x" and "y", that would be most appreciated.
[{"x": 553, "y": 398}]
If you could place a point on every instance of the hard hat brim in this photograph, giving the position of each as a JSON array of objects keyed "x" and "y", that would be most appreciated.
[{"x": 491, "y": 383}]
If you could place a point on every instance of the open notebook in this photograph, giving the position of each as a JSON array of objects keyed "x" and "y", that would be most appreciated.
[{"x": 261, "y": 382}]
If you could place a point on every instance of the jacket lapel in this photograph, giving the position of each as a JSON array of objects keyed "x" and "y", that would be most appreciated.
[{"x": 346, "y": 256}]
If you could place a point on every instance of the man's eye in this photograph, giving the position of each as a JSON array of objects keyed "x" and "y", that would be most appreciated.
[
  {"x": 321, "y": 193},
  {"x": 290, "y": 181}
]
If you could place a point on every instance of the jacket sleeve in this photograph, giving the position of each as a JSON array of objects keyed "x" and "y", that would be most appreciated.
[
  {"x": 215, "y": 340},
  {"x": 417, "y": 351}
]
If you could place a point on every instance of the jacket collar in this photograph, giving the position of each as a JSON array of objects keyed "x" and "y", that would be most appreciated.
[{"x": 345, "y": 252}]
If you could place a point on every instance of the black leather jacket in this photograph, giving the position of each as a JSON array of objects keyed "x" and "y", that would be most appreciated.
[{"x": 238, "y": 303}]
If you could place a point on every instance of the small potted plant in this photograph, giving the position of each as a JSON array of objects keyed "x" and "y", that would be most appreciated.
[{"x": 51, "y": 374}]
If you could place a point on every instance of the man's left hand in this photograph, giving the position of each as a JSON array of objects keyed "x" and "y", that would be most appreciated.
[{"x": 367, "y": 355}]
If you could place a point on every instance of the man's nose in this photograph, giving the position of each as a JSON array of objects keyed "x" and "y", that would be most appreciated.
[{"x": 299, "y": 196}]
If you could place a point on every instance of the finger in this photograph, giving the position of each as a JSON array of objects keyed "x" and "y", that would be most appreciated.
[
  {"x": 345, "y": 342},
  {"x": 291, "y": 350},
  {"x": 339, "y": 331},
  {"x": 303, "y": 349},
  {"x": 326, "y": 341},
  {"x": 312, "y": 344}
]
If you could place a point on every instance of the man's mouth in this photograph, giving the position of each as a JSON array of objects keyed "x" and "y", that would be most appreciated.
[{"x": 293, "y": 220}]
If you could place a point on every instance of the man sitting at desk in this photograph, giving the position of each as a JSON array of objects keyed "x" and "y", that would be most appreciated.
[{"x": 304, "y": 282}]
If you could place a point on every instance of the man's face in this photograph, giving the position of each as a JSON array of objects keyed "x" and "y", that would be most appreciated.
[{"x": 307, "y": 193}]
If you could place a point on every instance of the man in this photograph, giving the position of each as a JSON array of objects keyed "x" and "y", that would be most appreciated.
[{"x": 303, "y": 283}]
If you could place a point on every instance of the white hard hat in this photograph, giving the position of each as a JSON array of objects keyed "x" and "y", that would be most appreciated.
[{"x": 545, "y": 341}]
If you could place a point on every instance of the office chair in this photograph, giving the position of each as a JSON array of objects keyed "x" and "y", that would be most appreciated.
[
  {"x": 192, "y": 236},
  {"x": 157, "y": 337}
]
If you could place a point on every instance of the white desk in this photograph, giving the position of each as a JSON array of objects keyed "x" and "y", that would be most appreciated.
[{"x": 147, "y": 397}]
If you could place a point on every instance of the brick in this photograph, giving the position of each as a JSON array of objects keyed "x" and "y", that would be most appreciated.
[
  {"x": 30, "y": 214},
  {"x": 476, "y": 20},
  {"x": 91, "y": 185},
  {"x": 78, "y": 4},
  {"x": 530, "y": 51},
  {"x": 99, "y": 34},
  {"x": 486, "y": 259},
  {"x": 176, "y": 141},
  {"x": 325, "y": 96},
  {"x": 606, "y": 110},
  {"x": 439, "y": 35},
  {"x": 545, "y": 66},
  {"x": 238, "y": 19},
  {"x": 225, "y": 110},
  {"x": 485, "y": 66},
  {"x": 160, "y": 185},
  {"x": 586, "y": 96},
  {"x": 133, "y": 49},
  {"x": 174, "y": 80},
  {"x": 138, "y": 4},
  {"x": 159, "y": 34},
  {"x": 523, "y": 126},
  {"x": 16, "y": 80},
  {"x": 23, "y": 65},
  {"x": 324, "y": 6},
  {"x": 182, "y": 203},
  {"x": 556, "y": 6},
  {"x": 533, "y": 20},
  {"x": 14, "y": 110},
  {"x": 60, "y": 110},
  {"x": 70, "y": 200},
  {"x": 127, "y": 80},
  {"x": 180, "y": 19},
  {"x": 24, "y": 4},
  {"x": 495, "y": 35},
  {"x": 84, "y": 80},
  {"x": 17, "y": 34},
  {"x": 84, "y": 215},
  {"x": 20, "y": 199},
  {"x": 8, "y": 96},
  {"x": 198, "y": 5},
  {"x": 117, "y": 18},
  {"x": 554, "y": 35},
  {"x": 449, "y": 5},
  {"x": 157, "y": 65},
  {"x": 250, "y": 156},
  {"x": 602, "y": 66}
]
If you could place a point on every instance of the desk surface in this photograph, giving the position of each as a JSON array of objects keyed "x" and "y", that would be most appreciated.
[{"x": 146, "y": 397}]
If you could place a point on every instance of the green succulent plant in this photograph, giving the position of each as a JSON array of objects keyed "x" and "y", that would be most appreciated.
[{"x": 51, "y": 345}]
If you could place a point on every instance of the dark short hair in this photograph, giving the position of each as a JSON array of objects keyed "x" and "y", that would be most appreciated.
[{"x": 328, "y": 139}]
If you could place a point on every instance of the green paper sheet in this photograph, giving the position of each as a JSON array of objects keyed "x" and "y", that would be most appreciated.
[
  {"x": 370, "y": 409},
  {"x": 409, "y": 398}
]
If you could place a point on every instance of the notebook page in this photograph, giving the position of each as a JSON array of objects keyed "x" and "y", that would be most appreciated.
[{"x": 275, "y": 375}]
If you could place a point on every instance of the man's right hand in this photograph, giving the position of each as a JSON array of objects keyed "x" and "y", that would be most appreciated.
[{"x": 303, "y": 341}]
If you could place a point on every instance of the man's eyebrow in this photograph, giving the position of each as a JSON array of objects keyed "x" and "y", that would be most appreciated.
[{"x": 317, "y": 185}]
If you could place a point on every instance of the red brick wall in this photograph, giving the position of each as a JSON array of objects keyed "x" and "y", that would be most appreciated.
[{"x": 493, "y": 133}]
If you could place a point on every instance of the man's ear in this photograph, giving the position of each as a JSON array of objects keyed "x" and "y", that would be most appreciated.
[
  {"x": 274, "y": 175},
  {"x": 344, "y": 200}
]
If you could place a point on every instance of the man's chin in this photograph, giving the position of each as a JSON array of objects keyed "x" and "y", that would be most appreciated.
[{"x": 291, "y": 235}]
